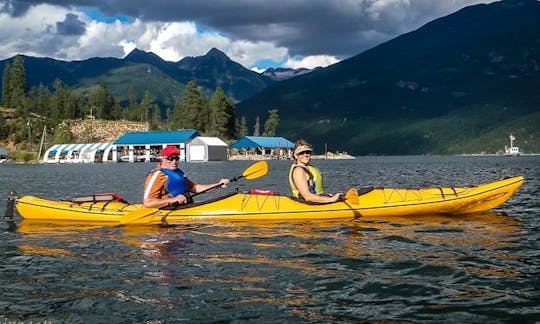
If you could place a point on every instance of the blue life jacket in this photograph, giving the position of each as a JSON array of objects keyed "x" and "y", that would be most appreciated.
[{"x": 176, "y": 182}]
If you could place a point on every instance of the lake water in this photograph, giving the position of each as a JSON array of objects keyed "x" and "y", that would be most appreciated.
[{"x": 481, "y": 268}]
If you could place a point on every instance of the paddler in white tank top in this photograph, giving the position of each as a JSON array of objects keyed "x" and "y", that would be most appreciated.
[{"x": 305, "y": 179}]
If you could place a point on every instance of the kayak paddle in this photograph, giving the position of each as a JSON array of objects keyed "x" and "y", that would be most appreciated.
[
  {"x": 255, "y": 171},
  {"x": 351, "y": 196}
]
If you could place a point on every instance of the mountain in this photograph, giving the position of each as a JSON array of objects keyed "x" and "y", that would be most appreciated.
[
  {"x": 216, "y": 69},
  {"x": 433, "y": 90},
  {"x": 280, "y": 74},
  {"x": 146, "y": 71}
]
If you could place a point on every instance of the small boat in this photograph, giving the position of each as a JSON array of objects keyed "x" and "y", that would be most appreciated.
[{"x": 260, "y": 205}]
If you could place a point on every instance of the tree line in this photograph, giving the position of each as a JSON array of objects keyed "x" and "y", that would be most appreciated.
[{"x": 40, "y": 107}]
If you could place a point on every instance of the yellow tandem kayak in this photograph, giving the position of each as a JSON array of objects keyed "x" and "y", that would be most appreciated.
[{"x": 262, "y": 205}]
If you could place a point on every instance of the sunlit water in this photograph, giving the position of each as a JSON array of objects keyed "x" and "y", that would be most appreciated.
[{"x": 481, "y": 268}]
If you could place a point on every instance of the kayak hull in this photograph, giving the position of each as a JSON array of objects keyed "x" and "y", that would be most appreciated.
[{"x": 262, "y": 207}]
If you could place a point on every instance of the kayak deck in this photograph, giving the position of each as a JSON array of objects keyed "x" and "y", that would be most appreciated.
[{"x": 253, "y": 206}]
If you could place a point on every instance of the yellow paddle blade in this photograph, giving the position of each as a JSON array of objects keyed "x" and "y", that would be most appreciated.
[
  {"x": 352, "y": 196},
  {"x": 256, "y": 170},
  {"x": 136, "y": 216}
]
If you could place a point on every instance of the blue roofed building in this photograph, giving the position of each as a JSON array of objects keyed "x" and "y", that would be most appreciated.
[
  {"x": 147, "y": 146},
  {"x": 264, "y": 147}
]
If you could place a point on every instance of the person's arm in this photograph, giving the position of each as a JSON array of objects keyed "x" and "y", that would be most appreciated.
[
  {"x": 153, "y": 190},
  {"x": 299, "y": 178}
]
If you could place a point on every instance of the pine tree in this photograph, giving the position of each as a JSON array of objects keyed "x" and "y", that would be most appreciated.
[
  {"x": 132, "y": 111},
  {"x": 39, "y": 100},
  {"x": 231, "y": 118},
  {"x": 103, "y": 104},
  {"x": 145, "y": 107},
  {"x": 17, "y": 87},
  {"x": 218, "y": 119},
  {"x": 191, "y": 111},
  {"x": 243, "y": 130},
  {"x": 6, "y": 84},
  {"x": 63, "y": 103},
  {"x": 257, "y": 127},
  {"x": 154, "y": 120},
  {"x": 271, "y": 124},
  {"x": 116, "y": 110}
]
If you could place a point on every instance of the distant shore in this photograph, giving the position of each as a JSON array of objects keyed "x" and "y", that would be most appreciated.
[{"x": 328, "y": 156}]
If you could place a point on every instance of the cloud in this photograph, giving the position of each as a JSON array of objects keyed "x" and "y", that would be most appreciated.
[
  {"x": 290, "y": 32},
  {"x": 311, "y": 62},
  {"x": 71, "y": 25},
  {"x": 33, "y": 32}
]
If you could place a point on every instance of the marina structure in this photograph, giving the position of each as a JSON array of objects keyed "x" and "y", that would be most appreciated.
[
  {"x": 512, "y": 150},
  {"x": 264, "y": 147},
  {"x": 146, "y": 146}
]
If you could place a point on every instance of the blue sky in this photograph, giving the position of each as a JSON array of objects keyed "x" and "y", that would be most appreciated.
[
  {"x": 255, "y": 33},
  {"x": 95, "y": 14}
]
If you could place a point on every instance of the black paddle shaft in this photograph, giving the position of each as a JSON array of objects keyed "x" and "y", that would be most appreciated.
[{"x": 213, "y": 187}]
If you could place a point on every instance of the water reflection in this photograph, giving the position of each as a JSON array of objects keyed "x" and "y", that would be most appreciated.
[
  {"x": 367, "y": 236},
  {"x": 314, "y": 270}
]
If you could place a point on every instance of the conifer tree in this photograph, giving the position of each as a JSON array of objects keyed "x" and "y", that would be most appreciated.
[
  {"x": 63, "y": 103},
  {"x": 17, "y": 87},
  {"x": 243, "y": 129},
  {"x": 257, "y": 127},
  {"x": 231, "y": 118},
  {"x": 39, "y": 100},
  {"x": 6, "y": 84},
  {"x": 218, "y": 116},
  {"x": 103, "y": 103},
  {"x": 271, "y": 124},
  {"x": 154, "y": 120},
  {"x": 132, "y": 111},
  {"x": 191, "y": 111},
  {"x": 144, "y": 107}
]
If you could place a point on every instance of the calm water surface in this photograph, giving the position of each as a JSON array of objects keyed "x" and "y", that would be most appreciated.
[{"x": 482, "y": 268}]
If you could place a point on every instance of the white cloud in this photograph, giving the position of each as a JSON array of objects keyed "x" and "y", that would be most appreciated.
[
  {"x": 31, "y": 33},
  {"x": 256, "y": 69},
  {"x": 34, "y": 34},
  {"x": 327, "y": 32},
  {"x": 128, "y": 46},
  {"x": 311, "y": 62},
  {"x": 248, "y": 53},
  {"x": 171, "y": 41}
]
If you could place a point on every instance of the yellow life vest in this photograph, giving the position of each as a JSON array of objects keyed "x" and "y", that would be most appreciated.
[{"x": 314, "y": 180}]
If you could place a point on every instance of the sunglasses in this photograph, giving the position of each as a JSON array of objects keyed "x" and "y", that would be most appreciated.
[
  {"x": 305, "y": 152},
  {"x": 172, "y": 158}
]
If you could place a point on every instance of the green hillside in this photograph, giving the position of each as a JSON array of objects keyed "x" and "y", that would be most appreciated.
[
  {"x": 139, "y": 77},
  {"x": 466, "y": 131},
  {"x": 470, "y": 76}
]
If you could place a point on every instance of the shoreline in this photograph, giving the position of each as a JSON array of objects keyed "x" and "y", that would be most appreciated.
[{"x": 329, "y": 156}]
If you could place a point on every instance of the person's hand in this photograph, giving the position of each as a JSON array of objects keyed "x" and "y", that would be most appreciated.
[
  {"x": 224, "y": 182},
  {"x": 180, "y": 199},
  {"x": 338, "y": 196}
]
